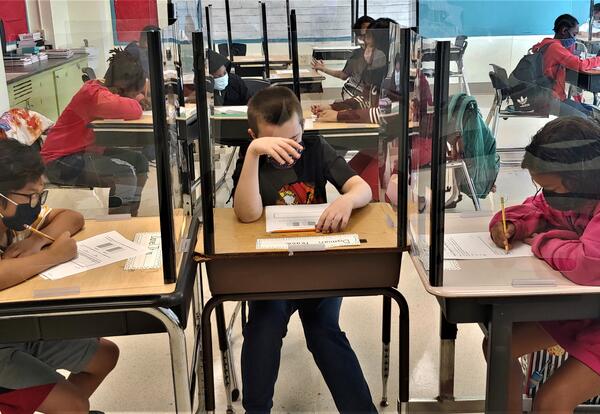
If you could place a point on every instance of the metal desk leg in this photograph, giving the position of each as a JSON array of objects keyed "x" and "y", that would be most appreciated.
[
  {"x": 447, "y": 341},
  {"x": 225, "y": 354},
  {"x": 386, "y": 322},
  {"x": 499, "y": 356},
  {"x": 179, "y": 366},
  {"x": 235, "y": 389},
  {"x": 207, "y": 356}
]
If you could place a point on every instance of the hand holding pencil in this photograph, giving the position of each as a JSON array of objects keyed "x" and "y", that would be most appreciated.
[{"x": 503, "y": 231}]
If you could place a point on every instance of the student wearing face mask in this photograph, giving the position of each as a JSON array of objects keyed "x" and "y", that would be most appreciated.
[
  {"x": 562, "y": 225},
  {"x": 558, "y": 55},
  {"x": 584, "y": 28},
  {"x": 229, "y": 88}
]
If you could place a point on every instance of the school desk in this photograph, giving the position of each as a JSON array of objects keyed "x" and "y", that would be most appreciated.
[
  {"x": 333, "y": 52},
  {"x": 107, "y": 301},
  {"x": 482, "y": 292},
  {"x": 311, "y": 81},
  {"x": 239, "y": 272},
  {"x": 588, "y": 80},
  {"x": 260, "y": 60}
]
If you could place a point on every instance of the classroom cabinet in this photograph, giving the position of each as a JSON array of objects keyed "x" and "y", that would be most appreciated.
[{"x": 50, "y": 91}]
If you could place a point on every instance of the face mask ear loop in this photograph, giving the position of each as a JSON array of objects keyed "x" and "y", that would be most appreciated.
[{"x": 8, "y": 199}]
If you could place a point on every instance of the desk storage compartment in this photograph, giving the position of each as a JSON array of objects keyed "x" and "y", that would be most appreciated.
[{"x": 304, "y": 272}]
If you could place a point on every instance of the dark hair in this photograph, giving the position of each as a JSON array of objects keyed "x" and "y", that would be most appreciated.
[
  {"x": 380, "y": 30},
  {"x": 358, "y": 24},
  {"x": 597, "y": 8},
  {"x": 275, "y": 106},
  {"x": 21, "y": 165},
  {"x": 570, "y": 148},
  {"x": 564, "y": 21},
  {"x": 125, "y": 73}
]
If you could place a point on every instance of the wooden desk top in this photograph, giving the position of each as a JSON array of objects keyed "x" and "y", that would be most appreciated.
[
  {"x": 286, "y": 74},
  {"x": 274, "y": 59},
  {"x": 493, "y": 278},
  {"x": 145, "y": 120},
  {"x": 108, "y": 281},
  {"x": 594, "y": 71},
  {"x": 234, "y": 237}
]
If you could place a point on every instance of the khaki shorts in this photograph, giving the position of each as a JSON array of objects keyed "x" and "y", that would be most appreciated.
[{"x": 30, "y": 364}]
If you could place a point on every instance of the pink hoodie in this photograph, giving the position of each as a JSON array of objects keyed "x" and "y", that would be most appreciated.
[{"x": 570, "y": 243}]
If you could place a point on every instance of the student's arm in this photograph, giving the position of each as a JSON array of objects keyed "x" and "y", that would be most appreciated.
[
  {"x": 247, "y": 202},
  {"x": 365, "y": 116},
  {"x": 522, "y": 221},
  {"x": 569, "y": 60},
  {"x": 320, "y": 66},
  {"x": 112, "y": 106},
  {"x": 56, "y": 223},
  {"x": 578, "y": 258},
  {"x": 16, "y": 270},
  {"x": 356, "y": 193}
]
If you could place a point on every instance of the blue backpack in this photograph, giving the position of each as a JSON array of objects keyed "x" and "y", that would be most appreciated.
[{"x": 478, "y": 144}]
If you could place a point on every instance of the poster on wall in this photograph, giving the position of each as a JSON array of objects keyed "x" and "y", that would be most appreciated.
[
  {"x": 131, "y": 16},
  {"x": 14, "y": 15}
]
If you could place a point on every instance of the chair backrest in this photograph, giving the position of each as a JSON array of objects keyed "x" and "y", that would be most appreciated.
[
  {"x": 238, "y": 49},
  {"x": 499, "y": 79},
  {"x": 460, "y": 41},
  {"x": 255, "y": 85},
  {"x": 88, "y": 74}
]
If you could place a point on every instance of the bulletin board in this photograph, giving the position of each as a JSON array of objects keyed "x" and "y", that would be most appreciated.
[
  {"x": 130, "y": 17},
  {"x": 14, "y": 15},
  {"x": 450, "y": 18}
]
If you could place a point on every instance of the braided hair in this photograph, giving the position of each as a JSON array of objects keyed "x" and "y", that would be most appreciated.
[
  {"x": 125, "y": 74},
  {"x": 570, "y": 148}
]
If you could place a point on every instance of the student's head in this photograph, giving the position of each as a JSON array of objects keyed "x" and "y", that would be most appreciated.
[
  {"x": 564, "y": 159},
  {"x": 217, "y": 67},
  {"x": 275, "y": 112},
  {"x": 378, "y": 34},
  {"x": 143, "y": 35},
  {"x": 21, "y": 185},
  {"x": 125, "y": 75},
  {"x": 565, "y": 27},
  {"x": 597, "y": 12},
  {"x": 360, "y": 27}
]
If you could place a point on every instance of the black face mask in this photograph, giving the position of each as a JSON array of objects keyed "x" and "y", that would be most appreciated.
[
  {"x": 286, "y": 165},
  {"x": 567, "y": 201},
  {"x": 24, "y": 215}
]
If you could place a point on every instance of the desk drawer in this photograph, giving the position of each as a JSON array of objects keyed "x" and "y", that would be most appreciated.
[{"x": 303, "y": 272}]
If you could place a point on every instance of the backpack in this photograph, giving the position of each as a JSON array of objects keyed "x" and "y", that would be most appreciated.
[
  {"x": 476, "y": 145},
  {"x": 530, "y": 89}
]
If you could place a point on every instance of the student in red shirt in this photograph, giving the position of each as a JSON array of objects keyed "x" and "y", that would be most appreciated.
[
  {"x": 70, "y": 153},
  {"x": 557, "y": 57}
]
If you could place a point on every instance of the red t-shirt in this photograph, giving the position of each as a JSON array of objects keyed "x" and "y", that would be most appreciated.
[
  {"x": 93, "y": 101},
  {"x": 556, "y": 59}
]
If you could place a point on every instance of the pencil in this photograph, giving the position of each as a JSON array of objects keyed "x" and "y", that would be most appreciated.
[
  {"x": 39, "y": 233},
  {"x": 504, "y": 223}
]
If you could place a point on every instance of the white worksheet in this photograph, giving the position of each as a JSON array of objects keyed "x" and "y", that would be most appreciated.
[
  {"x": 97, "y": 251},
  {"x": 290, "y": 71},
  {"x": 231, "y": 110},
  {"x": 300, "y": 217},
  {"x": 152, "y": 259},
  {"x": 480, "y": 246}
]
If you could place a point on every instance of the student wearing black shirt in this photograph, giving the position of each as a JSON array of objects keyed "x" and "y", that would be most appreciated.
[
  {"x": 280, "y": 168},
  {"x": 229, "y": 88}
]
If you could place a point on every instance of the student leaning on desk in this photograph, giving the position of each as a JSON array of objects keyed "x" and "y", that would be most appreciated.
[
  {"x": 28, "y": 378},
  {"x": 278, "y": 168},
  {"x": 562, "y": 225}
]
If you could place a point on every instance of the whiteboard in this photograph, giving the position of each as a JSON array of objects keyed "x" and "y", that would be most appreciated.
[{"x": 450, "y": 18}]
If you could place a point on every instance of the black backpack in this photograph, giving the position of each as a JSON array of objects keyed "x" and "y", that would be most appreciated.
[{"x": 530, "y": 89}]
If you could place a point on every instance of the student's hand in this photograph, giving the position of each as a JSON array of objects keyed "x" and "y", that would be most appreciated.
[
  {"x": 328, "y": 115},
  {"x": 317, "y": 108},
  {"x": 335, "y": 217},
  {"x": 64, "y": 248},
  {"x": 26, "y": 247},
  {"x": 497, "y": 233},
  {"x": 317, "y": 64},
  {"x": 282, "y": 150},
  {"x": 146, "y": 103}
]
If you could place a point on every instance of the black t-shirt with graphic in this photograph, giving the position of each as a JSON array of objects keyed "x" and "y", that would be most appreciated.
[{"x": 304, "y": 182}]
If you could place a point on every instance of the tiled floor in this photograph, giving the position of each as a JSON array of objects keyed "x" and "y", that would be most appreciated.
[{"x": 142, "y": 381}]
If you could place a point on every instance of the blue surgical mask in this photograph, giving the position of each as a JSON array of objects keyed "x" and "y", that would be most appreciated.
[
  {"x": 596, "y": 24},
  {"x": 222, "y": 82},
  {"x": 568, "y": 42}
]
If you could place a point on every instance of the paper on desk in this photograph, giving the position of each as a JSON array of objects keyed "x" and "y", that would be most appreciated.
[
  {"x": 147, "y": 113},
  {"x": 230, "y": 110},
  {"x": 97, "y": 251},
  {"x": 480, "y": 246},
  {"x": 290, "y": 71},
  {"x": 329, "y": 241},
  {"x": 300, "y": 217}
]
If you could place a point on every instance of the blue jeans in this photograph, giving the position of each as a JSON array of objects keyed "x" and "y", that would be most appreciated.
[{"x": 261, "y": 352}]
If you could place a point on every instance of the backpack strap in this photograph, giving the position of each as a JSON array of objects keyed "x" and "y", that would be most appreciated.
[{"x": 465, "y": 101}]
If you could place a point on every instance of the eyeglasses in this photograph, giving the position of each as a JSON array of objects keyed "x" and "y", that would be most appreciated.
[{"x": 34, "y": 198}]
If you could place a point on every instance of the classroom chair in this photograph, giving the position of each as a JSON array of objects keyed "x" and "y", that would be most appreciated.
[
  {"x": 501, "y": 106},
  {"x": 237, "y": 49},
  {"x": 88, "y": 74},
  {"x": 457, "y": 52}
]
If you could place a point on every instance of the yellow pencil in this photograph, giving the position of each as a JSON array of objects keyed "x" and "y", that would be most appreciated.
[
  {"x": 504, "y": 223},
  {"x": 39, "y": 233}
]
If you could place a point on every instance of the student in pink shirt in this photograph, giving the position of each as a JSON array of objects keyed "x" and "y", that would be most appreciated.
[
  {"x": 70, "y": 153},
  {"x": 562, "y": 225}
]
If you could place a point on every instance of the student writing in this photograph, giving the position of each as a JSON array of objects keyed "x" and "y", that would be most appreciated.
[
  {"x": 28, "y": 378},
  {"x": 280, "y": 168},
  {"x": 70, "y": 152},
  {"x": 562, "y": 225}
]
